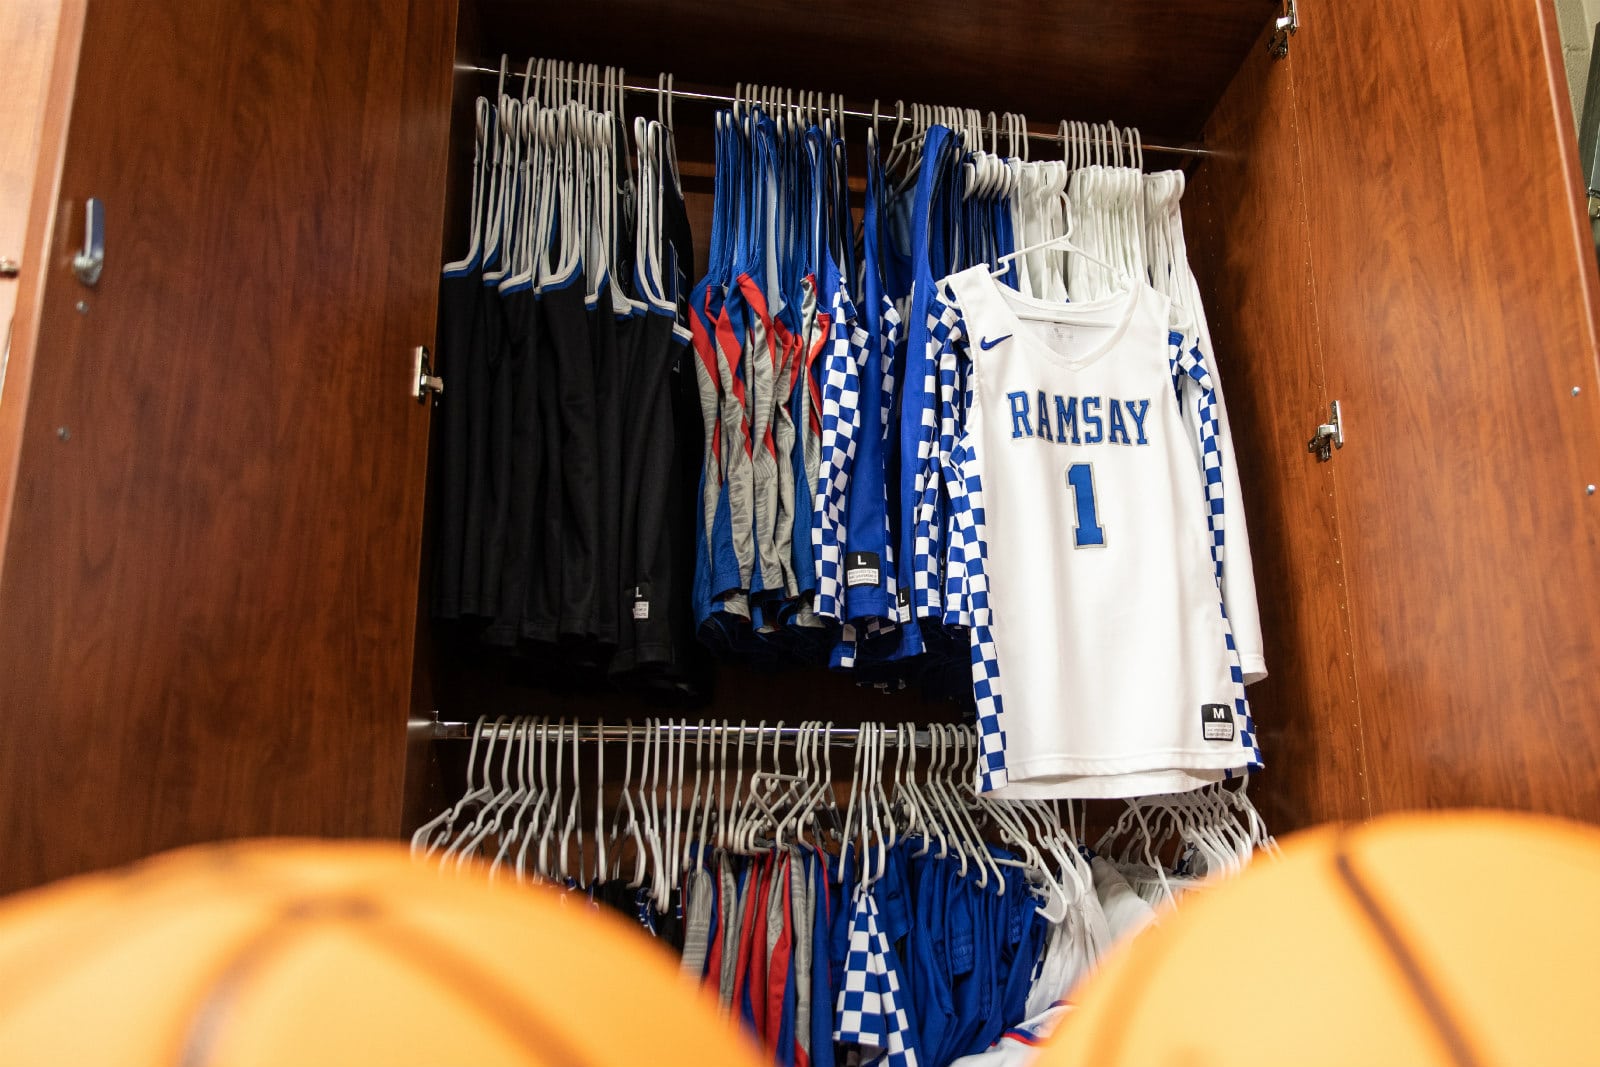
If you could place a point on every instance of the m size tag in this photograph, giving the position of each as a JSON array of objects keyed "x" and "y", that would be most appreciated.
[
  {"x": 1216, "y": 722},
  {"x": 861, "y": 568}
]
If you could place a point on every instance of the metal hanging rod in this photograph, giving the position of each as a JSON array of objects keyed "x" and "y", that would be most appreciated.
[
  {"x": 838, "y": 736},
  {"x": 639, "y": 86}
]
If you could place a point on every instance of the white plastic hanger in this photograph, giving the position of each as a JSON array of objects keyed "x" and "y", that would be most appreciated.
[
  {"x": 492, "y": 818},
  {"x": 742, "y": 796},
  {"x": 721, "y": 837},
  {"x": 653, "y": 803},
  {"x": 488, "y": 819},
  {"x": 862, "y": 803},
  {"x": 1015, "y": 824},
  {"x": 482, "y": 118},
  {"x": 1063, "y": 241},
  {"x": 600, "y": 854},
  {"x": 786, "y": 812},
  {"x": 503, "y": 233},
  {"x": 823, "y": 801},
  {"x": 963, "y": 790},
  {"x": 791, "y": 818},
  {"x": 665, "y": 754},
  {"x": 546, "y": 868},
  {"x": 917, "y": 816},
  {"x": 778, "y": 793},
  {"x": 528, "y": 789},
  {"x": 830, "y": 798},
  {"x": 573, "y": 826},
  {"x": 928, "y": 801},
  {"x": 550, "y": 830},
  {"x": 665, "y": 871},
  {"x": 677, "y": 843},
  {"x": 850, "y": 829},
  {"x": 805, "y": 812},
  {"x": 889, "y": 828},
  {"x": 726, "y": 838},
  {"x": 475, "y": 797},
  {"x": 423, "y": 840},
  {"x": 625, "y": 800},
  {"x": 538, "y": 763},
  {"x": 752, "y": 811},
  {"x": 881, "y": 829},
  {"x": 960, "y": 840},
  {"x": 694, "y": 826},
  {"x": 905, "y": 773}
]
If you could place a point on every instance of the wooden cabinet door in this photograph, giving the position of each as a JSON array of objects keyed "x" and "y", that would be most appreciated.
[
  {"x": 1455, "y": 291},
  {"x": 1249, "y": 228},
  {"x": 1397, "y": 215},
  {"x": 208, "y": 586}
]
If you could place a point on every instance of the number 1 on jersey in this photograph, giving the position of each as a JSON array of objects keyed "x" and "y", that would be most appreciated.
[{"x": 1088, "y": 533}]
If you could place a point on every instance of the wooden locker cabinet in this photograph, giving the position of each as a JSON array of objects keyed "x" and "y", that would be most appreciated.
[
  {"x": 212, "y": 487},
  {"x": 1441, "y": 286}
]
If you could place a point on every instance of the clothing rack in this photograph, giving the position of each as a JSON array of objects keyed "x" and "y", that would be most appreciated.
[
  {"x": 837, "y": 736},
  {"x": 1034, "y": 133}
]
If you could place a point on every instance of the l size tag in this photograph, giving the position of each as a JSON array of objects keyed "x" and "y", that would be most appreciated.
[
  {"x": 641, "y": 603},
  {"x": 1216, "y": 722},
  {"x": 861, "y": 568}
]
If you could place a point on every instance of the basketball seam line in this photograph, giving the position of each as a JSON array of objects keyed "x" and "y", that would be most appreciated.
[
  {"x": 386, "y": 932},
  {"x": 515, "y": 1017},
  {"x": 205, "y": 1022},
  {"x": 93, "y": 934},
  {"x": 1410, "y": 967}
]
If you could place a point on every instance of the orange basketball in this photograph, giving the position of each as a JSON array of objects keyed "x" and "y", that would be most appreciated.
[
  {"x": 307, "y": 953},
  {"x": 1459, "y": 939}
]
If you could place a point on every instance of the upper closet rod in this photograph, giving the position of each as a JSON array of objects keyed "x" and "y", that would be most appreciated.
[
  {"x": 633, "y": 86},
  {"x": 844, "y": 736}
]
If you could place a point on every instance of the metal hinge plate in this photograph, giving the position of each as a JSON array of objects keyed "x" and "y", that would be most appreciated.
[
  {"x": 1329, "y": 436},
  {"x": 423, "y": 380},
  {"x": 1287, "y": 25},
  {"x": 88, "y": 264}
]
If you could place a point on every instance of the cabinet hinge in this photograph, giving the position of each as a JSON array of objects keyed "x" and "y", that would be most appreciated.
[
  {"x": 1285, "y": 27},
  {"x": 423, "y": 380},
  {"x": 1329, "y": 436},
  {"x": 88, "y": 264}
]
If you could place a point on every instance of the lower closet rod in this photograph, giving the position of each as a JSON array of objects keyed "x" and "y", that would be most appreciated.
[
  {"x": 840, "y": 736},
  {"x": 634, "y": 86}
]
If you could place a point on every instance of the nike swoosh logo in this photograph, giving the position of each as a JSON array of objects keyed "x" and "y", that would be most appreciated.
[{"x": 989, "y": 342}]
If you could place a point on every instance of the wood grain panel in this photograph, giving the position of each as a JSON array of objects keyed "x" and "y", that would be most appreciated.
[
  {"x": 34, "y": 173},
  {"x": 1248, "y": 226},
  {"x": 1456, "y": 300},
  {"x": 27, "y": 41},
  {"x": 1156, "y": 64},
  {"x": 207, "y": 600}
]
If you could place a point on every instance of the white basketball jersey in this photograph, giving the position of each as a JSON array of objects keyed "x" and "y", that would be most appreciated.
[{"x": 1106, "y": 645}]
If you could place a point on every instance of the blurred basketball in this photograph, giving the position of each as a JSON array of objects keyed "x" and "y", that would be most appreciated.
[
  {"x": 305, "y": 953},
  {"x": 1456, "y": 939}
]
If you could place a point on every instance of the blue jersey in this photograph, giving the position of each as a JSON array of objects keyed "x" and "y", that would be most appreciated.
[
  {"x": 869, "y": 577},
  {"x": 931, "y": 252}
]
